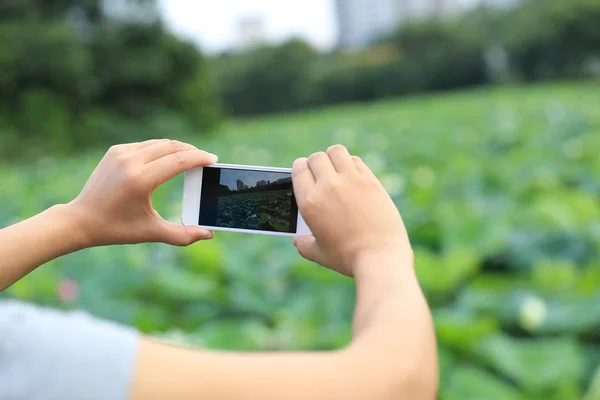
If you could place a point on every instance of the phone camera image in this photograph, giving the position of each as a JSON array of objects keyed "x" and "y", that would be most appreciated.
[{"x": 247, "y": 199}]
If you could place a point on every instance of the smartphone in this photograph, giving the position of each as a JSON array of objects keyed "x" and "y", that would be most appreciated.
[{"x": 241, "y": 198}]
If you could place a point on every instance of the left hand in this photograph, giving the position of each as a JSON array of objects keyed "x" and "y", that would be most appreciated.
[{"x": 115, "y": 205}]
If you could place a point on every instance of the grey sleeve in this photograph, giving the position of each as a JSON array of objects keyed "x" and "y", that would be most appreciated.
[{"x": 52, "y": 355}]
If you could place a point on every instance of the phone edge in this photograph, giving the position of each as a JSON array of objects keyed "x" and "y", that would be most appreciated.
[{"x": 193, "y": 181}]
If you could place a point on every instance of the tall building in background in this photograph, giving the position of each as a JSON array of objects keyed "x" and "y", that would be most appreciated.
[
  {"x": 360, "y": 22},
  {"x": 499, "y": 3},
  {"x": 251, "y": 32}
]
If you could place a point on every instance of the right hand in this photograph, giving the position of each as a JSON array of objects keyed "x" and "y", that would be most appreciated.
[{"x": 349, "y": 212}]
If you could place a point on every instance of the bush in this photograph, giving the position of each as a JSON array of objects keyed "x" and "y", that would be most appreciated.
[
  {"x": 554, "y": 38},
  {"x": 66, "y": 63},
  {"x": 538, "y": 39},
  {"x": 269, "y": 79}
]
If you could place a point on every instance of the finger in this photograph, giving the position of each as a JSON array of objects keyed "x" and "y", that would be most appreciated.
[
  {"x": 179, "y": 235},
  {"x": 362, "y": 167},
  {"x": 171, "y": 165},
  {"x": 128, "y": 148},
  {"x": 340, "y": 157},
  {"x": 161, "y": 149},
  {"x": 302, "y": 178},
  {"x": 321, "y": 166},
  {"x": 309, "y": 248},
  {"x": 141, "y": 145}
]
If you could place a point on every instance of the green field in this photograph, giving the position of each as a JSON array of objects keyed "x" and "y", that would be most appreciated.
[
  {"x": 499, "y": 189},
  {"x": 266, "y": 210}
]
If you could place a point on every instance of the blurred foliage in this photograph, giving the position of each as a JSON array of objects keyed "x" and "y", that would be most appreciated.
[
  {"x": 499, "y": 189},
  {"x": 554, "y": 38},
  {"x": 270, "y": 78},
  {"x": 537, "y": 39},
  {"x": 73, "y": 74}
]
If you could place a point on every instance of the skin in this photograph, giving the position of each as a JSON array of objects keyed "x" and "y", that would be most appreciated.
[{"x": 357, "y": 230}]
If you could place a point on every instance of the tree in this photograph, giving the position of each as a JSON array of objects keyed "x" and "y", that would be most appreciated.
[
  {"x": 554, "y": 38},
  {"x": 268, "y": 79},
  {"x": 74, "y": 60}
]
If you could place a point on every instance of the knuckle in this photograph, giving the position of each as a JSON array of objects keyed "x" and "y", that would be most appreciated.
[
  {"x": 317, "y": 155},
  {"x": 300, "y": 165},
  {"x": 133, "y": 179},
  {"x": 335, "y": 185},
  {"x": 123, "y": 159},
  {"x": 310, "y": 204},
  {"x": 371, "y": 183},
  {"x": 179, "y": 158},
  {"x": 300, "y": 162},
  {"x": 176, "y": 145},
  {"x": 115, "y": 149}
]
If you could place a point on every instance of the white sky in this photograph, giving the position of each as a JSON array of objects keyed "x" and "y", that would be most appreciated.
[
  {"x": 229, "y": 177},
  {"x": 213, "y": 24}
]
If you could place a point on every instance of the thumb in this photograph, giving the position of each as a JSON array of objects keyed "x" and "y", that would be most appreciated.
[
  {"x": 309, "y": 248},
  {"x": 179, "y": 235}
]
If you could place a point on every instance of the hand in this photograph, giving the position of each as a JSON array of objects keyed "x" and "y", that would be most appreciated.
[
  {"x": 348, "y": 210},
  {"x": 115, "y": 205}
]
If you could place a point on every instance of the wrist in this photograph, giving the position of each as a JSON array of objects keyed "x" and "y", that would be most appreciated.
[
  {"x": 74, "y": 221},
  {"x": 384, "y": 264}
]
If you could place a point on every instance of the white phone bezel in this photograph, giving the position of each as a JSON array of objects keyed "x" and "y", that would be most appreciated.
[{"x": 192, "y": 190}]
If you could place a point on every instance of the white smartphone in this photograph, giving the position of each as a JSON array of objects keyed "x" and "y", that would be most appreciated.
[{"x": 241, "y": 198}]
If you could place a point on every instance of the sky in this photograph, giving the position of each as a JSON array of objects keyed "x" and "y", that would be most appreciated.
[
  {"x": 213, "y": 24},
  {"x": 229, "y": 177}
]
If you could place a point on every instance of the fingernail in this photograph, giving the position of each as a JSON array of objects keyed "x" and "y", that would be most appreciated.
[
  {"x": 294, "y": 242},
  {"x": 214, "y": 157}
]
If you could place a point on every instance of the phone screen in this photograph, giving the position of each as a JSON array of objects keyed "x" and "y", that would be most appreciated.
[{"x": 246, "y": 199}]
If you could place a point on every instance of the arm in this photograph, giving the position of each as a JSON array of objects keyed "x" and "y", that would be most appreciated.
[
  {"x": 113, "y": 208},
  {"x": 392, "y": 357},
  {"x": 358, "y": 232},
  {"x": 31, "y": 243}
]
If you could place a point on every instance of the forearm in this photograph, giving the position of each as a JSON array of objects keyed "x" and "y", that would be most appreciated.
[
  {"x": 179, "y": 373},
  {"x": 33, "y": 242},
  {"x": 392, "y": 355},
  {"x": 393, "y": 329}
]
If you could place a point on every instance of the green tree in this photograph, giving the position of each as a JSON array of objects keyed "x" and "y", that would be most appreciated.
[
  {"x": 268, "y": 79},
  {"x": 554, "y": 38},
  {"x": 97, "y": 68}
]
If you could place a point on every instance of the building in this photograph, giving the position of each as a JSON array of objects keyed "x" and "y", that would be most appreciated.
[
  {"x": 284, "y": 180},
  {"x": 499, "y": 3},
  {"x": 360, "y": 22},
  {"x": 240, "y": 184},
  {"x": 251, "y": 33}
]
